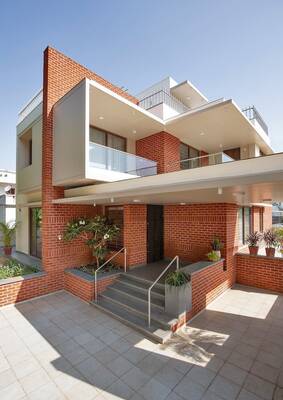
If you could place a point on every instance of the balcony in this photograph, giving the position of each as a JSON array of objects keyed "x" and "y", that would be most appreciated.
[
  {"x": 163, "y": 97},
  {"x": 30, "y": 106},
  {"x": 122, "y": 165},
  {"x": 255, "y": 118},
  {"x": 203, "y": 161}
]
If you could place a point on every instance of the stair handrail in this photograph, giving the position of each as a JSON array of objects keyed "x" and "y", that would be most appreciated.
[
  {"x": 105, "y": 263},
  {"x": 176, "y": 258}
]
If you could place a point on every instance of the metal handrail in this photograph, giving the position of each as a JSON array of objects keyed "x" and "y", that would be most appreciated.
[
  {"x": 103, "y": 265},
  {"x": 176, "y": 258},
  {"x": 208, "y": 156}
]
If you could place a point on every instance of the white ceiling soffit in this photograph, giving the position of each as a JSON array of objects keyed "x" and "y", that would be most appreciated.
[
  {"x": 217, "y": 126},
  {"x": 188, "y": 94},
  {"x": 111, "y": 112}
]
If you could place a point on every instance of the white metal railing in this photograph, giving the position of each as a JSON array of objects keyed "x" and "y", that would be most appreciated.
[
  {"x": 104, "y": 157},
  {"x": 203, "y": 161},
  {"x": 31, "y": 105},
  {"x": 176, "y": 258},
  {"x": 163, "y": 97},
  {"x": 103, "y": 265}
]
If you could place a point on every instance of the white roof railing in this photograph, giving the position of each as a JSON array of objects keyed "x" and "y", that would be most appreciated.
[{"x": 30, "y": 106}]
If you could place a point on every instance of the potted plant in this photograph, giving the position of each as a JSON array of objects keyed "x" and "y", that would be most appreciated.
[
  {"x": 213, "y": 255},
  {"x": 8, "y": 230},
  {"x": 178, "y": 296},
  {"x": 253, "y": 240},
  {"x": 216, "y": 246},
  {"x": 270, "y": 238}
]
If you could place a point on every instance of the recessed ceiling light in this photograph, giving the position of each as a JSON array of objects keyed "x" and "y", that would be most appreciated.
[
  {"x": 188, "y": 98},
  {"x": 202, "y": 134},
  {"x": 112, "y": 200},
  {"x": 134, "y": 131},
  {"x": 220, "y": 145},
  {"x": 182, "y": 204},
  {"x": 219, "y": 190},
  {"x": 94, "y": 204},
  {"x": 101, "y": 117},
  {"x": 136, "y": 201}
]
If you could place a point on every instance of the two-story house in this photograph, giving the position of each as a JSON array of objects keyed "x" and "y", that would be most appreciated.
[{"x": 171, "y": 167}]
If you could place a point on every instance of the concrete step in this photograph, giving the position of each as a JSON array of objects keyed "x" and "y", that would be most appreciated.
[
  {"x": 136, "y": 292},
  {"x": 141, "y": 283},
  {"x": 139, "y": 307},
  {"x": 155, "y": 332}
]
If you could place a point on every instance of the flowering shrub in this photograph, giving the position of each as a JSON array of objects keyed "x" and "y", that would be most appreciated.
[{"x": 97, "y": 232}]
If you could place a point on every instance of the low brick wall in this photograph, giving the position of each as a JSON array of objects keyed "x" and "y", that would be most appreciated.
[
  {"x": 260, "y": 271},
  {"x": 17, "y": 289},
  {"x": 207, "y": 284},
  {"x": 82, "y": 285}
]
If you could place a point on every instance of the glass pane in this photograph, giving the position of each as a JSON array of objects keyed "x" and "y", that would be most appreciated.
[
  {"x": 240, "y": 226},
  {"x": 193, "y": 153},
  {"x": 116, "y": 142},
  {"x": 184, "y": 155},
  {"x": 35, "y": 232},
  {"x": 97, "y": 136},
  {"x": 247, "y": 226}
]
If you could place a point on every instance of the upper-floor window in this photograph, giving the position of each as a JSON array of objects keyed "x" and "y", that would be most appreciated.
[
  {"x": 107, "y": 139},
  {"x": 188, "y": 152},
  {"x": 25, "y": 149}
]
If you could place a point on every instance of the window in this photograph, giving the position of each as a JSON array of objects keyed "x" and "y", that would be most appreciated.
[
  {"x": 116, "y": 215},
  {"x": 25, "y": 149},
  {"x": 107, "y": 139},
  {"x": 187, "y": 152},
  {"x": 244, "y": 224}
]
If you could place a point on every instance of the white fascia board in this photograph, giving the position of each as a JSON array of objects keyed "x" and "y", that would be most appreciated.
[{"x": 193, "y": 87}]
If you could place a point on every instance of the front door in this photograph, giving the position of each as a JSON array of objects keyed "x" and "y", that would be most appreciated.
[
  {"x": 35, "y": 232},
  {"x": 154, "y": 233}
]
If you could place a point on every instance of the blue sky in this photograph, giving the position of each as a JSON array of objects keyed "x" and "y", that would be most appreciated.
[{"x": 226, "y": 48}]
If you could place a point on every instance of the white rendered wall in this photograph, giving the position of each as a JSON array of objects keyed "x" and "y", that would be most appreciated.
[
  {"x": 69, "y": 140},
  {"x": 29, "y": 178}
]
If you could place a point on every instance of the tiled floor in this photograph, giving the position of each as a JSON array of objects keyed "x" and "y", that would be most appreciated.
[{"x": 58, "y": 347}]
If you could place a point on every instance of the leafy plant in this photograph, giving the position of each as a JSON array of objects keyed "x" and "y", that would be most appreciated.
[
  {"x": 253, "y": 239},
  {"x": 12, "y": 268},
  {"x": 213, "y": 256},
  {"x": 271, "y": 238},
  {"x": 177, "y": 278},
  {"x": 216, "y": 244},
  {"x": 97, "y": 232},
  {"x": 8, "y": 231}
]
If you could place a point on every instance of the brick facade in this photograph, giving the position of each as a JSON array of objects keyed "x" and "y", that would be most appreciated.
[
  {"x": 260, "y": 271},
  {"x": 163, "y": 148},
  {"x": 85, "y": 288},
  {"x": 135, "y": 233},
  {"x": 59, "y": 76}
]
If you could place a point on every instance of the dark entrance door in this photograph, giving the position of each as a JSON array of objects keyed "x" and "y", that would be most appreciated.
[
  {"x": 35, "y": 232},
  {"x": 154, "y": 233}
]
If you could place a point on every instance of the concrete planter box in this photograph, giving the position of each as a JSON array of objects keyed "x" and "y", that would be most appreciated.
[{"x": 178, "y": 299}]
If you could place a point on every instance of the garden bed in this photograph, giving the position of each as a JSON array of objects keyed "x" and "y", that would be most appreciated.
[
  {"x": 90, "y": 269},
  {"x": 10, "y": 268}
]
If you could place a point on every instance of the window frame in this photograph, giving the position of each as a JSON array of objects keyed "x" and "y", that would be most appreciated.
[{"x": 106, "y": 137}]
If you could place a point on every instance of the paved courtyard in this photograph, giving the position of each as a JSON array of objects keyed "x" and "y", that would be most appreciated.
[{"x": 58, "y": 347}]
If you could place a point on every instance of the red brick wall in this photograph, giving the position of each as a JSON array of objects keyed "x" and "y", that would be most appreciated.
[
  {"x": 135, "y": 233},
  {"x": 260, "y": 271},
  {"x": 60, "y": 74},
  {"x": 267, "y": 218},
  {"x": 11, "y": 293},
  {"x": 189, "y": 229},
  {"x": 163, "y": 148},
  {"x": 207, "y": 285},
  {"x": 83, "y": 288}
]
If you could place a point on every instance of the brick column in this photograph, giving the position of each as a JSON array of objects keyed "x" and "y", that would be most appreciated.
[
  {"x": 61, "y": 74},
  {"x": 135, "y": 233},
  {"x": 163, "y": 148}
]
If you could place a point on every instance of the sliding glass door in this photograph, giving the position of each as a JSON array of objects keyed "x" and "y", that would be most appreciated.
[{"x": 35, "y": 232}]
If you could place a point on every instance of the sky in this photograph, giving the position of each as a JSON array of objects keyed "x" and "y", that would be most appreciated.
[{"x": 231, "y": 49}]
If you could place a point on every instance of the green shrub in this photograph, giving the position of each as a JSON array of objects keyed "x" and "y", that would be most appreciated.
[{"x": 177, "y": 278}]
